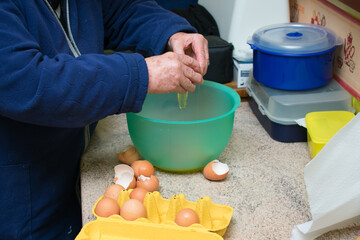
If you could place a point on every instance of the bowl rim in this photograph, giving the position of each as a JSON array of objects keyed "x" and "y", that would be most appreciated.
[{"x": 235, "y": 96}]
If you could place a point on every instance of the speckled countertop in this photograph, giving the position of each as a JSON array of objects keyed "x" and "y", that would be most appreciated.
[{"x": 265, "y": 185}]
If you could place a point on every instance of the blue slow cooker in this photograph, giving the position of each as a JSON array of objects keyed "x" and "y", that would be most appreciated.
[{"x": 294, "y": 56}]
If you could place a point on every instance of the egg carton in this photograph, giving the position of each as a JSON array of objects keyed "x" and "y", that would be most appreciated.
[
  {"x": 116, "y": 228},
  {"x": 159, "y": 223}
]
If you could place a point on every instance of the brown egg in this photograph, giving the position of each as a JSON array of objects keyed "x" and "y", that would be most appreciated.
[
  {"x": 216, "y": 171},
  {"x": 107, "y": 207},
  {"x": 138, "y": 193},
  {"x": 129, "y": 156},
  {"x": 149, "y": 183},
  {"x": 113, "y": 191},
  {"x": 186, "y": 217},
  {"x": 143, "y": 167},
  {"x": 132, "y": 209}
]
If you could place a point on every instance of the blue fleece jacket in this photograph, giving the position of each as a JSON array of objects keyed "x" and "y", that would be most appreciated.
[{"x": 48, "y": 96}]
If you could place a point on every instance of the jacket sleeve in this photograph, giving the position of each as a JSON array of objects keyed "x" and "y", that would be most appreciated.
[
  {"x": 63, "y": 91},
  {"x": 140, "y": 25}
]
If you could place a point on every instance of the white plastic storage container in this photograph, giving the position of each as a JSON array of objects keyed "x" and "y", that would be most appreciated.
[
  {"x": 279, "y": 110},
  {"x": 239, "y": 19},
  {"x": 241, "y": 72}
]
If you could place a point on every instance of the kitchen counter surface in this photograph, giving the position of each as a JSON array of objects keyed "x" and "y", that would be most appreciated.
[{"x": 265, "y": 185}]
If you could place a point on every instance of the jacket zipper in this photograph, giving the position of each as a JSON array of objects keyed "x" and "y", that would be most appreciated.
[{"x": 74, "y": 49}]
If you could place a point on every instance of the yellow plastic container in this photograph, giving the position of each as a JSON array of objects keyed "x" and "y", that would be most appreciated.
[
  {"x": 159, "y": 224},
  {"x": 356, "y": 104},
  {"x": 322, "y": 126}
]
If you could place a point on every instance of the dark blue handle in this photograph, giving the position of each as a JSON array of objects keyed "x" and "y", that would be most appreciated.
[
  {"x": 294, "y": 35},
  {"x": 252, "y": 46}
]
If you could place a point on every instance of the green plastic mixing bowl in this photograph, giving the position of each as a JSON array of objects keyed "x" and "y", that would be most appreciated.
[{"x": 175, "y": 139}]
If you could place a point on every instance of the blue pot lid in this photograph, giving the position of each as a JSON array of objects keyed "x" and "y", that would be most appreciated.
[{"x": 294, "y": 39}]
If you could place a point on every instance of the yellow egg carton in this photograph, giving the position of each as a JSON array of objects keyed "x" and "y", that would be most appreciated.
[{"x": 159, "y": 223}]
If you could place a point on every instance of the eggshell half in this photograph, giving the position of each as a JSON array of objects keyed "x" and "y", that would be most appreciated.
[
  {"x": 149, "y": 183},
  {"x": 132, "y": 184},
  {"x": 128, "y": 156},
  {"x": 143, "y": 167},
  {"x": 124, "y": 176},
  {"x": 216, "y": 170}
]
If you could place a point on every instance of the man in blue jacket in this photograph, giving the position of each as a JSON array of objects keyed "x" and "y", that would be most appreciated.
[{"x": 56, "y": 83}]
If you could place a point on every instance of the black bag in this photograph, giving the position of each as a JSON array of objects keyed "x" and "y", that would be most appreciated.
[
  {"x": 199, "y": 18},
  {"x": 221, "y": 63}
]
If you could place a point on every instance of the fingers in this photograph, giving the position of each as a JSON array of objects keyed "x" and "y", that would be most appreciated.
[
  {"x": 191, "y": 73},
  {"x": 178, "y": 43},
  {"x": 201, "y": 50},
  {"x": 173, "y": 72},
  {"x": 194, "y": 45},
  {"x": 187, "y": 82},
  {"x": 193, "y": 76},
  {"x": 178, "y": 47},
  {"x": 190, "y": 62}
]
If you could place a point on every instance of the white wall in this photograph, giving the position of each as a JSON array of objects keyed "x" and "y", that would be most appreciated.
[
  {"x": 239, "y": 19},
  {"x": 222, "y": 11}
]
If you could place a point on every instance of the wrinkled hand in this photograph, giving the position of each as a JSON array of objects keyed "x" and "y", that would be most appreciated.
[
  {"x": 193, "y": 45},
  {"x": 172, "y": 72}
]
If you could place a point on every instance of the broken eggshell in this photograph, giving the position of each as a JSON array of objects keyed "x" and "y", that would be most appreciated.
[
  {"x": 124, "y": 176},
  {"x": 128, "y": 156},
  {"x": 149, "y": 183},
  {"x": 143, "y": 167},
  {"x": 216, "y": 170}
]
